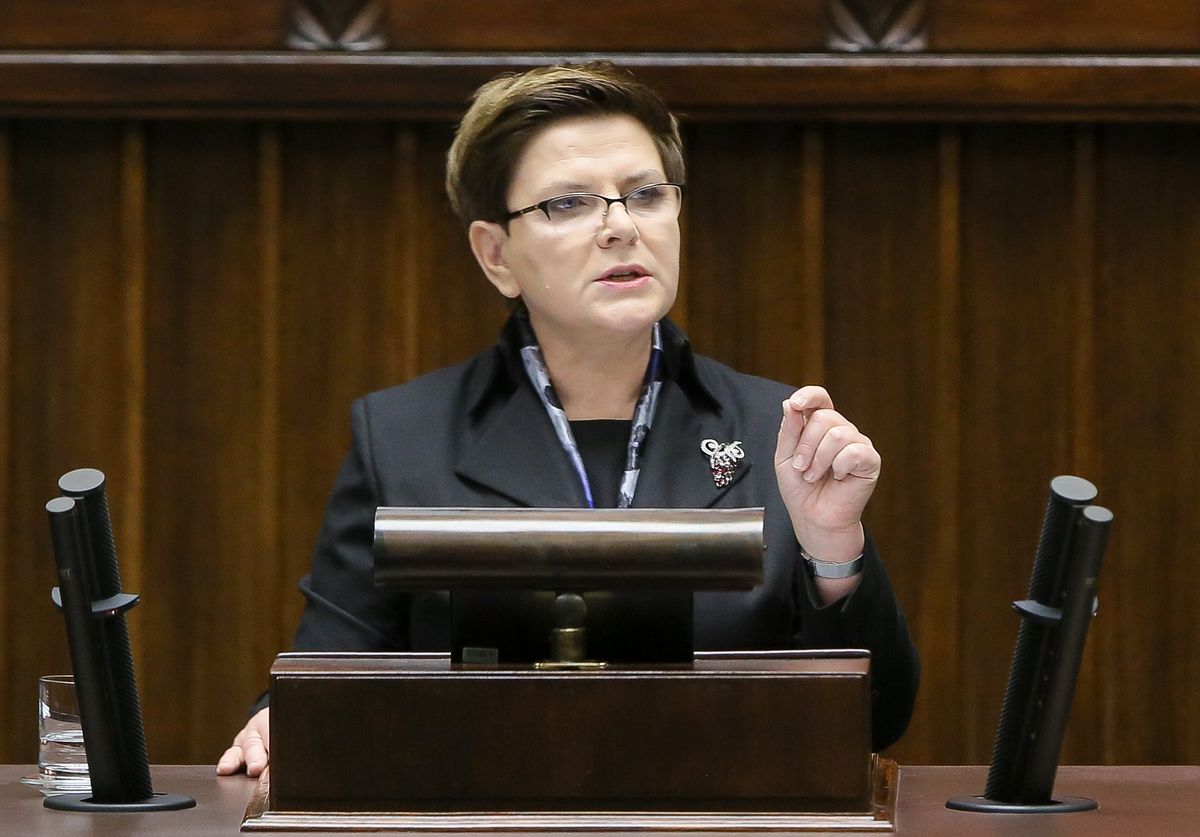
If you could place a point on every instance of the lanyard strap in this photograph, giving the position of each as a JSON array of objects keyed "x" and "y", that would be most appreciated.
[{"x": 643, "y": 414}]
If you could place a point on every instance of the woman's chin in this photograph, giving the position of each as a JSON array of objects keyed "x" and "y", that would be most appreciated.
[
  {"x": 633, "y": 311},
  {"x": 631, "y": 318}
]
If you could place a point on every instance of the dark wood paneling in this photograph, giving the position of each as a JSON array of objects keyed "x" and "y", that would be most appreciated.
[
  {"x": 210, "y": 595},
  {"x": 745, "y": 278},
  {"x": 719, "y": 86},
  {"x": 457, "y": 310},
  {"x": 66, "y": 315},
  {"x": 1017, "y": 407},
  {"x": 1078, "y": 26},
  {"x": 1148, "y": 376},
  {"x": 133, "y": 24},
  {"x": 622, "y": 25},
  {"x": 191, "y": 306},
  {"x": 6, "y": 434},
  {"x": 882, "y": 188},
  {"x": 337, "y": 324}
]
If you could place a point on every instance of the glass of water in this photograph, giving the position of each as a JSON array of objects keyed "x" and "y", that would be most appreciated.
[{"x": 62, "y": 759}]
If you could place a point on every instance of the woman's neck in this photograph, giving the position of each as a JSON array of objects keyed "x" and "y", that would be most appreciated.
[{"x": 602, "y": 380}]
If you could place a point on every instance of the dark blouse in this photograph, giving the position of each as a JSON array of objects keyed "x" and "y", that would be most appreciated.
[{"x": 603, "y": 444}]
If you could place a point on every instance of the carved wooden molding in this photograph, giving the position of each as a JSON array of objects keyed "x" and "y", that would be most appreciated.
[
  {"x": 354, "y": 25},
  {"x": 877, "y": 25}
]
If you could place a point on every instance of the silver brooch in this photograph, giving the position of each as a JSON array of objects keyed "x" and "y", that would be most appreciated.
[{"x": 723, "y": 458}]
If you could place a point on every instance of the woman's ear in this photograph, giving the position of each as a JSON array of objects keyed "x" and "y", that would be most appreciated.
[{"x": 487, "y": 243}]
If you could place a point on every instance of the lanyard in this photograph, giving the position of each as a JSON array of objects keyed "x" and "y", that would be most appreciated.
[{"x": 643, "y": 414}]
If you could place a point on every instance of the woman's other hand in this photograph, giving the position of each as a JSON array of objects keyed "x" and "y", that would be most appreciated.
[{"x": 250, "y": 747}]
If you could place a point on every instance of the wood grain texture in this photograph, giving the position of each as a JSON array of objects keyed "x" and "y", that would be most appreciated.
[
  {"x": 266, "y": 576},
  {"x": 706, "y": 86},
  {"x": 130, "y": 24},
  {"x": 1095, "y": 743},
  {"x": 205, "y": 383},
  {"x": 192, "y": 307},
  {"x": 335, "y": 323},
  {"x": 6, "y": 408},
  {"x": 745, "y": 279},
  {"x": 812, "y": 257},
  {"x": 1016, "y": 408},
  {"x": 129, "y": 496},
  {"x": 881, "y": 265},
  {"x": 1148, "y": 373},
  {"x": 68, "y": 375},
  {"x": 1153, "y": 26},
  {"x": 624, "y": 26},
  {"x": 460, "y": 313},
  {"x": 403, "y": 299},
  {"x": 941, "y": 563}
]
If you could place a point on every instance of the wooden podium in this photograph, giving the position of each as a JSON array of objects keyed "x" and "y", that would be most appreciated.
[
  {"x": 762, "y": 741},
  {"x": 777, "y": 741}
]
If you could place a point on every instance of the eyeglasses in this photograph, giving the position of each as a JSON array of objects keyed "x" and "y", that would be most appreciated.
[{"x": 580, "y": 210}]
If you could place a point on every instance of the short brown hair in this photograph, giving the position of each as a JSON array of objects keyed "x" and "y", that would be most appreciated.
[{"x": 509, "y": 110}]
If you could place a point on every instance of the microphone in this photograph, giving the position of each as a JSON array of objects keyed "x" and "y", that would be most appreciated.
[{"x": 94, "y": 606}]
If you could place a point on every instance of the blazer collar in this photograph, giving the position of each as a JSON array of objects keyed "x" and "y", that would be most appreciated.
[
  {"x": 676, "y": 473},
  {"x": 516, "y": 453}
]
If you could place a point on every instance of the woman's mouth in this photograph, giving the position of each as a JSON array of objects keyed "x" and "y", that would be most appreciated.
[{"x": 624, "y": 275}]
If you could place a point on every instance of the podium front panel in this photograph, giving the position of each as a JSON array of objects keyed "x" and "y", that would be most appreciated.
[{"x": 400, "y": 732}]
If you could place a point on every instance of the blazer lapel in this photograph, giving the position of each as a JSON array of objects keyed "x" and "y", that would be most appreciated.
[
  {"x": 518, "y": 455},
  {"x": 676, "y": 473}
]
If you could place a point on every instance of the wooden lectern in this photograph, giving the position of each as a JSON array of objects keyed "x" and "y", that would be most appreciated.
[{"x": 761, "y": 741}]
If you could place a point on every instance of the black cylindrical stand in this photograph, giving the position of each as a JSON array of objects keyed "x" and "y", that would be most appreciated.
[
  {"x": 1050, "y": 643},
  {"x": 93, "y": 606},
  {"x": 1009, "y": 757}
]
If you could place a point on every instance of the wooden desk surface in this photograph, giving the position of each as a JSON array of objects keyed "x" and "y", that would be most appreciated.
[{"x": 1158, "y": 801}]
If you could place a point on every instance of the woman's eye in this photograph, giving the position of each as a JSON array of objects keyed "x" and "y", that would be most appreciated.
[
  {"x": 650, "y": 196},
  {"x": 567, "y": 204}
]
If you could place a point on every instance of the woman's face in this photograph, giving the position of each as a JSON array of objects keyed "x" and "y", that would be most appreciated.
[{"x": 617, "y": 276}]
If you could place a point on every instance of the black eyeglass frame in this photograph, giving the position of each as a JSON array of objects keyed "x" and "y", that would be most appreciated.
[{"x": 544, "y": 206}]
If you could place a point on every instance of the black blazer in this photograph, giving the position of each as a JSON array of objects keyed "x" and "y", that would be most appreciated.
[{"x": 477, "y": 435}]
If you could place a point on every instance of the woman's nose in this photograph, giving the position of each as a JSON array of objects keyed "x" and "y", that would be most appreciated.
[{"x": 618, "y": 225}]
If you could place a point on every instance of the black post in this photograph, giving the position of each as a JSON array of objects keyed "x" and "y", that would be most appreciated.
[
  {"x": 1045, "y": 664},
  {"x": 1079, "y": 605},
  {"x": 93, "y": 606},
  {"x": 1030, "y": 657}
]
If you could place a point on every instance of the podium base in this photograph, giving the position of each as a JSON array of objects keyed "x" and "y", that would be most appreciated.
[
  {"x": 881, "y": 819},
  {"x": 983, "y": 805},
  {"x": 83, "y": 802}
]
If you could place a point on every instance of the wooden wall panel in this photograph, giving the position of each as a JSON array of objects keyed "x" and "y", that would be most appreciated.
[
  {"x": 1016, "y": 408},
  {"x": 457, "y": 312},
  {"x": 340, "y": 327},
  {"x": 747, "y": 295},
  {"x": 66, "y": 340},
  {"x": 125, "y": 24},
  {"x": 210, "y": 595},
  {"x": 6, "y": 434},
  {"x": 1077, "y": 26},
  {"x": 624, "y": 25},
  {"x": 566, "y": 25},
  {"x": 994, "y": 304},
  {"x": 882, "y": 220},
  {"x": 1148, "y": 376}
]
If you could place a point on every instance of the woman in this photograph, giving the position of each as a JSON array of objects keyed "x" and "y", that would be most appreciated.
[{"x": 569, "y": 181}]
